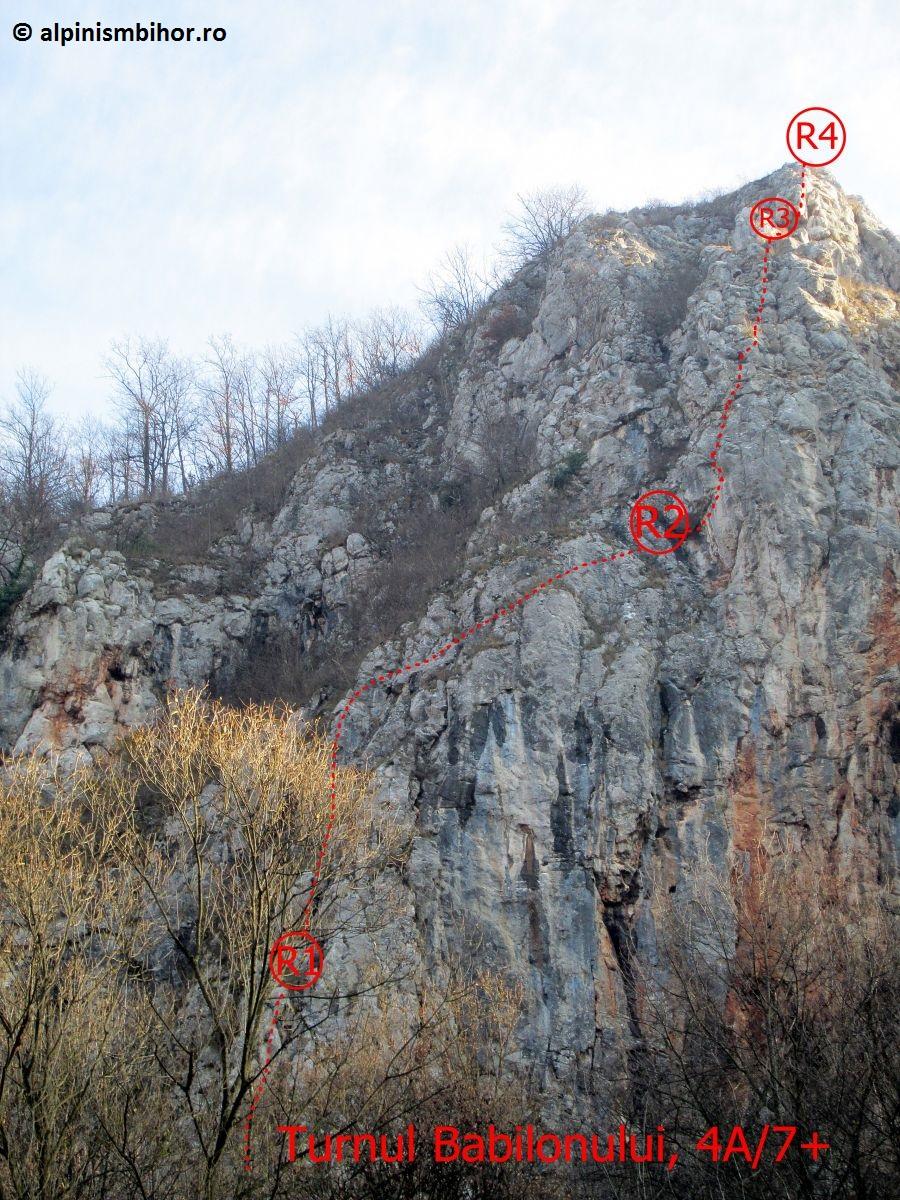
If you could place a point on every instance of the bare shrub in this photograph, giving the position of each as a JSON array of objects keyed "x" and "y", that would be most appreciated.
[
  {"x": 507, "y": 452},
  {"x": 543, "y": 220},
  {"x": 186, "y": 529},
  {"x": 449, "y": 1064},
  {"x": 140, "y": 900},
  {"x": 775, "y": 1002},
  {"x": 426, "y": 546},
  {"x": 418, "y": 537},
  {"x": 455, "y": 292},
  {"x": 507, "y": 321},
  {"x": 59, "y": 1019},
  {"x": 667, "y": 302}
]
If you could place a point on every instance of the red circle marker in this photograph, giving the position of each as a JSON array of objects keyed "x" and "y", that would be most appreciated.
[
  {"x": 296, "y": 960},
  {"x": 774, "y": 218},
  {"x": 659, "y": 522},
  {"x": 816, "y": 136}
]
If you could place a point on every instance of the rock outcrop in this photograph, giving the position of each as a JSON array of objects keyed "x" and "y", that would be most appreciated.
[{"x": 632, "y": 719}]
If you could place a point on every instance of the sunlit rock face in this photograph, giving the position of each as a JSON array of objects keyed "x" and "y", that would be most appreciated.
[{"x": 600, "y": 740}]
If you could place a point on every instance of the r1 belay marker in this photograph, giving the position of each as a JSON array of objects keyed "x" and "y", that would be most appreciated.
[{"x": 296, "y": 960}]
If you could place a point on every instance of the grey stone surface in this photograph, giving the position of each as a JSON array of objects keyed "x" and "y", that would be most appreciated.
[{"x": 631, "y": 719}]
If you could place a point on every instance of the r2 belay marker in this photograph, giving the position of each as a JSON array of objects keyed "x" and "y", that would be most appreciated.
[{"x": 659, "y": 522}]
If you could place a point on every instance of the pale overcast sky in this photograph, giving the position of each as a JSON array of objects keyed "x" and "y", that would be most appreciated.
[{"x": 326, "y": 154}]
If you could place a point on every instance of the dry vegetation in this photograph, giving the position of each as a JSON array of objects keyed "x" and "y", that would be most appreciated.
[
  {"x": 666, "y": 306},
  {"x": 139, "y": 901},
  {"x": 865, "y": 304},
  {"x": 418, "y": 536},
  {"x": 228, "y": 427},
  {"x": 775, "y": 1001}
]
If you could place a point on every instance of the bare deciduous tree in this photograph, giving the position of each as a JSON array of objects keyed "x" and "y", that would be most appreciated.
[
  {"x": 152, "y": 387},
  {"x": 85, "y": 464},
  {"x": 454, "y": 292},
  {"x": 33, "y": 469},
  {"x": 221, "y": 383},
  {"x": 277, "y": 417},
  {"x": 387, "y": 342},
  {"x": 223, "y": 871},
  {"x": 140, "y": 900},
  {"x": 309, "y": 373},
  {"x": 542, "y": 221}
]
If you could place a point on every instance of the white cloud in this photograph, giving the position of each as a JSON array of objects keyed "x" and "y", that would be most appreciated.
[{"x": 324, "y": 156}]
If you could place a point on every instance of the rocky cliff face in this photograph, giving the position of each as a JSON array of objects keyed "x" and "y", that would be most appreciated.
[{"x": 631, "y": 718}]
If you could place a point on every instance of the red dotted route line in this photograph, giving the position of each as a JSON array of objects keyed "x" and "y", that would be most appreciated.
[
  {"x": 738, "y": 384},
  {"x": 261, "y": 1082},
  {"x": 410, "y": 669},
  {"x": 507, "y": 610}
]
